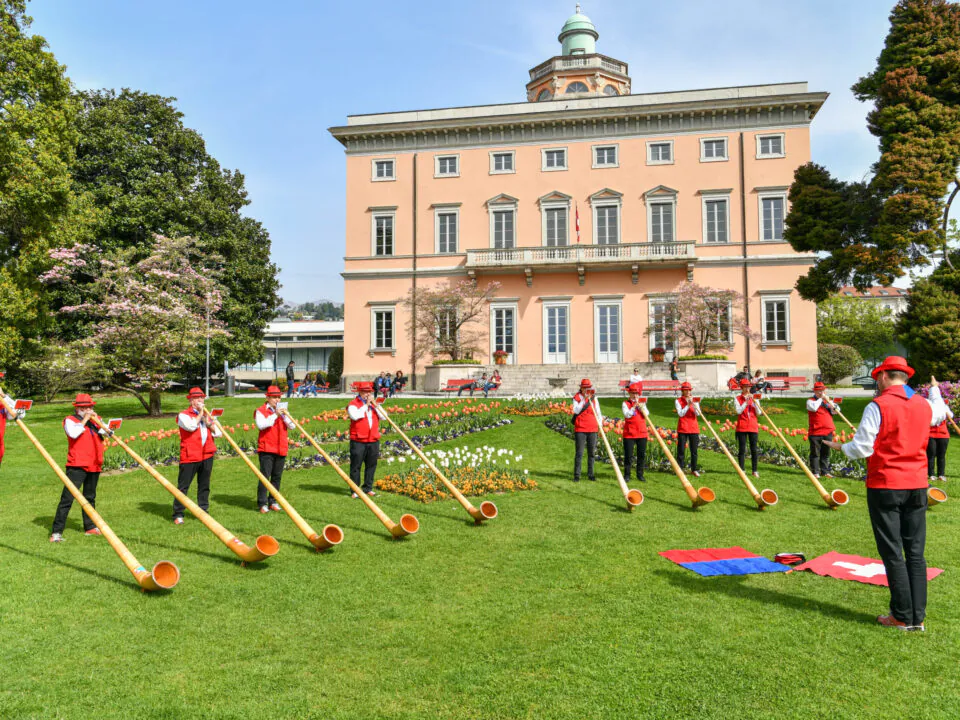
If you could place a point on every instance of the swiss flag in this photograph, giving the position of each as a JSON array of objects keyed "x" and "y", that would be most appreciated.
[{"x": 853, "y": 567}]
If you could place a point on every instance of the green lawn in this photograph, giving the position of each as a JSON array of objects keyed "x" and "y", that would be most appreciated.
[{"x": 559, "y": 608}]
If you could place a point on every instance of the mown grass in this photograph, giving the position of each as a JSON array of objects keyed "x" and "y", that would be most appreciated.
[{"x": 560, "y": 608}]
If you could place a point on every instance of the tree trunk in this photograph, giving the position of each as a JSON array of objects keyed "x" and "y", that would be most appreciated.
[
  {"x": 138, "y": 396},
  {"x": 154, "y": 409}
]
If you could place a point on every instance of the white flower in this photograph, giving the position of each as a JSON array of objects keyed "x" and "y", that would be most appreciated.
[{"x": 526, "y": 472}]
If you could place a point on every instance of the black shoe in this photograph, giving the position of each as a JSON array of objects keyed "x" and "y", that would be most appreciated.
[
  {"x": 576, "y": 479},
  {"x": 592, "y": 479},
  {"x": 641, "y": 479}
]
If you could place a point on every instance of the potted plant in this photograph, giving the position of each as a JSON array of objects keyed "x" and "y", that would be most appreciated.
[
  {"x": 658, "y": 354},
  {"x": 500, "y": 357}
]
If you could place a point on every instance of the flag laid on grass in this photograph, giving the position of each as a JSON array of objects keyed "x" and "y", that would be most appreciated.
[
  {"x": 853, "y": 567},
  {"x": 723, "y": 561}
]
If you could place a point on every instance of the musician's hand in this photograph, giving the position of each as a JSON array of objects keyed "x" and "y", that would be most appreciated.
[{"x": 933, "y": 382}]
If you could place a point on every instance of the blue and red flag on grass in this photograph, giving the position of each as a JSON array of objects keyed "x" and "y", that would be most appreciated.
[{"x": 723, "y": 561}]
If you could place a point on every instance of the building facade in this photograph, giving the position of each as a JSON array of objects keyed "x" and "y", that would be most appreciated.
[
  {"x": 589, "y": 205},
  {"x": 894, "y": 298},
  {"x": 307, "y": 342}
]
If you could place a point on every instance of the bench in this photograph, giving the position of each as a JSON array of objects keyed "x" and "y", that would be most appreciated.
[
  {"x": 781, "y": 384},
  {"x": 654, "y": 385},
  {"x": 455, "y": 385}
]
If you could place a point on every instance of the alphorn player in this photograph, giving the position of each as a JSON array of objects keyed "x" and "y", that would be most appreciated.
[
  {"x": 364, "y": 436},
  {"x": 84, "y": 463},
  {"x": 688, "y": 429},
  {"x": 892, "y": 436},
  {"x": 748, "y": 410},
  {"x": 272, "y": 446},
  {"x": 585, "y": 428},
  {"x": 937, "y": 448},
  {"x": 820, "y": 427},
  {"x": 7, "y": 412},
  {"x": 197, "y": 448},
  {"x": 635, "y": 415}
]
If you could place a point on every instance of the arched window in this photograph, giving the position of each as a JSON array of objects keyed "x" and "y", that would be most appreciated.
[
  {"x": 544, "y": 95},
  {"x": 610, "y": 90},
  {"x": 576, "y": 87}
]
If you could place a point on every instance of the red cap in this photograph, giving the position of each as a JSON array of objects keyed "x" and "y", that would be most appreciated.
[
  {"x": 83, "y": 400},
  {"x": 274, "y": 391},
  {"x": 819, "y": 386},
  {"x": 364, "y": 386},
  {"x": 745, "y": 383},
  {"x": 894, "y": 362},
  {"x": 686, "y": 386},
  {"x": 636, "y": 387},
  {"x": 585, "y": 384},
  {"x": 195, "y": 392}
]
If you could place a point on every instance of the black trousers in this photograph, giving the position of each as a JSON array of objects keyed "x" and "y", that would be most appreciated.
[
  {"x": 682, "y": 440},
  {"x": 819, "y": 454},
  {"x": 631, "y": 445},
  {"x": 583, "y": 440},
  {"x": 365, "y": 454},
  {"x": 742, "y": 438},
  {"x": 899, "y": 520},
  {"x": 272, "y": 468},
  {"x": 86, "y": 482},
  {"x": 937, "y": 454},
  {"x": 202, "y": 470}
]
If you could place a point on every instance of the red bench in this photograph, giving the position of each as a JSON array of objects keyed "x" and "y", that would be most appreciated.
[
  {"x": 455, "y": 385},
  {"x": 781, "y": 384},
  {"x": 654, "y": 385}
]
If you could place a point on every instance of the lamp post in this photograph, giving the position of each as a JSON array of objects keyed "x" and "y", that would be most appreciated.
[{"x": 207, "y": 390}]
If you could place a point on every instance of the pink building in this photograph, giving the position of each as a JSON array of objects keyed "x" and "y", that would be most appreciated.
[{"x": 668, "y": 187}]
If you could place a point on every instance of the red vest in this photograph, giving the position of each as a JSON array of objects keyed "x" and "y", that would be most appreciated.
[
  {"x": 191, "y": 448},
  {"x": 747, "y": 420},
  {"x": 86, "y": 451},
  {"x": 688, "y": 424},
  {"x": 587, "y": 420},
  {"x": 3, "y": 429},
  {"x": 361, "y": 430},
  {"x": 273, "y": 440},
  {"x": 899, "y": 460},
  {"x": 821, "y": 421},
  {"x": 634, "y": 427},
  {"x": 938, "y": 431}
]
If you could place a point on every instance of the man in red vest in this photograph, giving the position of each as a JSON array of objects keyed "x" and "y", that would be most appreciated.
[
  {"x": 748, "y": 410},
  {"x": 586, "y": 425},
  {"x": 820, "y": 427},
  {"x": 688, "y": 429},
  {"x": 272, "y": 445},
  {"x": 364, "y": 436},
  {"x": 635, "y": 415},
  {"x": 937, "y": 449},
  {"x": 197, "y": 448},
  {"x": 893, "y": 436},
  {"x": 84, "y": 463}
]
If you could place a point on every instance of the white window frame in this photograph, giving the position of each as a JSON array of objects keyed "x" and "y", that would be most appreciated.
[
  {"x": 606, "y": 146},
  {"x": 596, "y": 330},
  {"x": 768, "y": 298},
  {"x": 652, "y": 302},
  {"x": 546, "y": 306},
  {"x": 515, "y": 307},
  {"x": 437, "y": 335},
  {"x": 439, "y": 210},
  {"x": 554, "y": 205},
  {"x": 727, "y": 342},
  {"x": 543, "y": 159},
  {"x": 445, "y": 156},
  {"x": 651, "y": 161},
  {"x": 782, "y": 195},
  {"x": 373, "y": 169},
  {"x": 606, "y": 203},
  {"x": 383, "y": 308},
  {"x": 726, "y": 149},
  {"x": 783, "y": 146},
  {"x": 492, "y": 209},
  {"x": 661, "y": 200},
  {"x": 392, "y": 214},
  {"x": 513, "y": 162},
  {"x": 708, "y": 197}
]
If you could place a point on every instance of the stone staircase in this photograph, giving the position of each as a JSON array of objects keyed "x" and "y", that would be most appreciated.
[{"x": 606, "y": 377}]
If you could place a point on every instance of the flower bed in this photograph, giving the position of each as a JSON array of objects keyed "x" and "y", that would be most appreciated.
[{"x": 724, "y": 406}]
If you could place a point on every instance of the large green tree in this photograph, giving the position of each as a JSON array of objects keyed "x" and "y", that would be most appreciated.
[
  {"x": 148, "y": 174},
  {"x": 930, "y": 328},
  {"x": 863, "y": 325}
]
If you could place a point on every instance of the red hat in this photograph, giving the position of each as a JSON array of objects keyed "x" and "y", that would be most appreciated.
[
  {"x": 745, "y": 383},
  {"x": 195, "y": 392},
  {"x": 894, "y": 362},
  {"x": 686, "y": 386},
  {"x": 636, "y": 387},
  {"x": 364, "y": 386},
  {"x": 274, "y": 391},
  {"x": 585, "y": 383},
  {"x": 83, "y": 400},
  {"x": 819, "y": 386}
]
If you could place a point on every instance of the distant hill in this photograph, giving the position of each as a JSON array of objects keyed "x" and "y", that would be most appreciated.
[{"x": 318, "y": 310}]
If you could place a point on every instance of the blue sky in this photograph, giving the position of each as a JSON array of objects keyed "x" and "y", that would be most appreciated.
[{"x": 262, "y": 82}]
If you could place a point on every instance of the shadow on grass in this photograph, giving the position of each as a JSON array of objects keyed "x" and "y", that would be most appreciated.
[
  {"x": 384, "y": 533},
  {"x": 735, "y": 588},
  {"x": 563, "y": 480},
  {"x": 329, "y": 489},
  {"x": 164, "y": 510},
  {"x": 238, "y": 501},
  {"x": 78, "y": 568},
  {"x": 229, "y": 559}
]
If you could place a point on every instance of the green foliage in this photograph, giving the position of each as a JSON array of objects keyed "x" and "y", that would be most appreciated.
[
  {"x": 335, "y": 367},
  {"x": 704, "y": 356},
  {"x": 837, "y": 361},
  {"x": 866, "y": 326},
  {"x": 930, "y": 328},
  {"x": 60, "y": 366},
  {"x": 322, "y": 310},
  {"x": 461, "y": 361}
]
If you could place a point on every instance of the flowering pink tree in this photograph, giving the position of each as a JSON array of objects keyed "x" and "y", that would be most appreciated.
[
  {"x": 705, "y": 317},
  {"x": 147, "y": 316},
  {"x": 443, "y": 320}
]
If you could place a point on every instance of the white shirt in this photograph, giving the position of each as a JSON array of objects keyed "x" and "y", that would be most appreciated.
[
  {"x": 636, "y": 379},
  {"x": 359, "y": 413},
  {"x": 75, "y": 428},
  {"x": 191, "y": 423},
  {"x": 629, "y": 412},
  {"x": 267, "y": 421},
  {"x": 681, "y": 411},
  {"x": 949, "y": 415},
  {"x": 581, "y": 406},
  {"x": 813, "y": 404},
  {"x": 740, "y": 408},
  {"x": 862, "y": 444}
]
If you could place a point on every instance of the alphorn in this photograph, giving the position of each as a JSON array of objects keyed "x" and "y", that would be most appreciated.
[
  {"x": 765, "y": 497},
  {"x": 164, "y": 576},
  {"x": 697, "y": 497},
  {"x": 834, "y": 499},
  {"x": 633, "y": 497},
  {"x": 837, "y": 409},
  {"x": 954, "y": 425},
  {"x": 487, "y": 511},
  {"x": 332, "y": 534},
  {"x": 408, "y": 524},
  {"x": 266, "y": 546}
]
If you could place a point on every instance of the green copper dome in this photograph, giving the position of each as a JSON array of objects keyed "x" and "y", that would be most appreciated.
[{"x": 579, "y": 35}]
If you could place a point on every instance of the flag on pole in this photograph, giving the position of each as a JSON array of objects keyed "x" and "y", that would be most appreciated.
[{"x": 577, "y": 211}]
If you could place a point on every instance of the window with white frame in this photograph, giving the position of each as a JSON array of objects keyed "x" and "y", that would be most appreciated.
[
  {"x": 446, "y": 230},
  {"x": 608, "y": 332},
  {"x": 661, "y": 224},
  {"x": 554, "y": 159},
  {"x": 555, "y": 225},
  {"x": 663, "y": 320},
  {"x": 770, "y": 146},
  {"x": 447, "y": 166},
  {"x": 721, "y": 321},
  {"x": 772, "y": 212},
  {"x": 660, "y": 152},
  {"x": 605, "y": 156},
  {"x": 446, "y": 330},
  {"x": 502, "y": 162},
  {"x": 383, "y": 233},
  {"x": 382, "y": 328},
  {"x": 502, "y": 224},
  {"x": 713, "y": 149},
  {"x": 503, "y": 330},
  {"x": 606, "y": 219},
  {"x": 716, "y": 219},
  {"x": 556, "y": 333},
  {"x": 776, "y": 320},
  {"x": 383, "y": 170}
]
